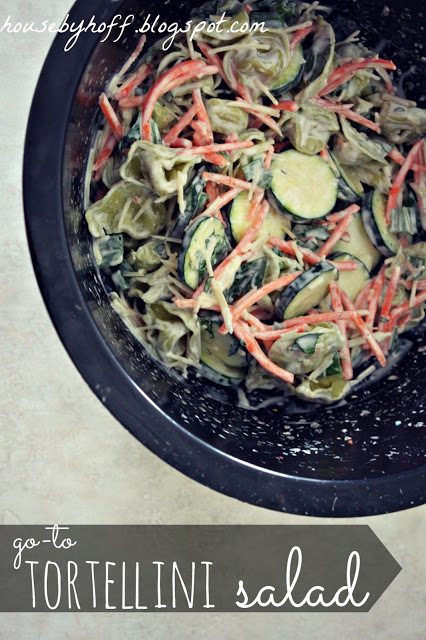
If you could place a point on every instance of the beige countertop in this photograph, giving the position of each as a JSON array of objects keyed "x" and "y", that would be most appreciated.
[{"x": 65, "y": 459}]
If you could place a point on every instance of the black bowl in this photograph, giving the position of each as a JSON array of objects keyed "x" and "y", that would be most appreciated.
[{"x": 363, "y": 458}]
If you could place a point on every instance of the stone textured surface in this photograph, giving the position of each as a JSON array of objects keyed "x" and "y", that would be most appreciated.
[{"x": 64, "y": 459}]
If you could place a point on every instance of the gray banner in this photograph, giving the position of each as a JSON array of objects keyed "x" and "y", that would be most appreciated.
[{"x": 192, "y": 568}]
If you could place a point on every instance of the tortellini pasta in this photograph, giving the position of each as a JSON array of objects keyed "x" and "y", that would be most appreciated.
[
  {"x": 310, "y": 128},
  {"x": 302, "y": 355},
  {"x": 224, "y": 118},
  {"x": 400, "y": 123},
  {"x": 127, "y": 207},
  {"x": 159, "y": 164},
  {"x": 169, "y": 333},
  {"x": 259, "y": 60}
]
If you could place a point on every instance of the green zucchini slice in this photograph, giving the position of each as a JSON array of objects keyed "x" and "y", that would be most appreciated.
[
  {"x": 205, "y": 236},
  {"x": 225, "y": 348},
  {"x": 350, "y": 188},
  {"x": 292, "y": 74},
  {"x": 275, "y": 224},
  {"x": 351, "y": 282},
  {"x": 306, "y": 291},
  {"x": 359, "y": 245},
  {"x": 224, "y": 360},
  {"x": 219, "y": 372},
  {"x": 373, "y": 217},
  {"x": 303, "y": 185}
]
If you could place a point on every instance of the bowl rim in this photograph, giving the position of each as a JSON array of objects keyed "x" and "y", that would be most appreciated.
[{"x": 73, "y": 321}]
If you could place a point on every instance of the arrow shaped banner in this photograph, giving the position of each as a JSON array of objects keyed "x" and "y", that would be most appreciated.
[{"x": 193, "y": 568}]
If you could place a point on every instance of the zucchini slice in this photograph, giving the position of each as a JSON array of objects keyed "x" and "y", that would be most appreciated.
[
  {"x": 351, "y": 282},
  {"x": 219, "y": 372},
  {"x": 373, "y": 217},
  {"x": 224, "y": 360},
  {"x": 350, "y": 188},
  {"x": 306, "y": 291},
  {"x": 225, "y": 348},
  {"x": 303, "y": 185},
  {"x": 359, "y": 245},
  {"x": 205, "y": 236},
  {"x": 292, "y": 74},
  {"x": 275, "y": 224}
]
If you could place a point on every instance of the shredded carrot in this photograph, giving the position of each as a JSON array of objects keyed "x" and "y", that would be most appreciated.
[
  {"x": 338, "y": 231},
  {"x": 268, "y": 160},
  {"x": 180, "y": 126},
  {"x": 254, "y": 206},
  {"x": 387, "y": 302},
  {"x": 375, "y": 294},
  {"x": 133, "y": 101},
  {"x": 347, "y": 113},
  {"x": 181, "y": 143},
  {"x": 215, "y": 59},
  {"x": 215, "y": 148},
  {"x": 212, "y": 191},
  {"x": 177, "y": 75},
  {"x": 399, "y": 158},
  {"x": 134, "y": 81},
  {"x": 252, "y": 319},
  {"x": 221, "y": 201},
  {"x": 133, "y": 57},
  {"x": 247, "y": 238},
  {"x": 105, "y": 152},
  {"x": 203, "y": 117},
  {"x": 399, "y": 180},
  {"x": 338, "y": 215},
  {"x": 407, "y": 306},
  {"x": 310, "y": 256},
  {"x": 364, "y": 330},
  {"x": 313, "y": 318},
  {"x": 273, "y": 335},
  {"x": 299, "y": 36},
  {"x": 420, "y": 183},
  {"x": 345, "y": 353},
  {"x": 345, "y": 72},
  {"x": 286, "y": 105},
  {"x": 263, "y": 117},
  {"x": 243, "y": 333},
  {"x": 218, "y": 178},
  {"x": 249, "y": 300},
  {"x": 408, "y": 284},
  {"x": 361, "y": 301},
  {"x": 387, "y": 80},
  {"x": 111, "y": 116}
]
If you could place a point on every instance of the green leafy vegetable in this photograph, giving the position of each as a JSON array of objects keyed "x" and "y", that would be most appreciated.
[{"x": 249, "y": 276}]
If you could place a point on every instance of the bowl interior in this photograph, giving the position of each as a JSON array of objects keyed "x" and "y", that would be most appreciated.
[{"x": 376, "y": 432}]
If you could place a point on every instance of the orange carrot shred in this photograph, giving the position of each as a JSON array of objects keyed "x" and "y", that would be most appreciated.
[
  {"x": 345, "y": 353},
  {"x": 338, "y": 231},
  {"x": 243, "y": 333},
  {"x": 364, "y": 330},
  {"x": 180, "y": 126},
  {"x": 249, "y": 300},
  {"x": 111, "y": 116},
  {"x": 399, "y": 180},
  {"x": 387, "y": 302}
]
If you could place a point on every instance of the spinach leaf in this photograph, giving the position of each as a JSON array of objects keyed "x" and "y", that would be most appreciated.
[
  {"x": 111, "y": 250},
  {"x": 254, "y": 170},
  {"x": 249, "y": 276}
]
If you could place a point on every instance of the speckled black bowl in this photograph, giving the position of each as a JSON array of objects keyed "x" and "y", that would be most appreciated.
[{"x": 301, "y": 463}]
